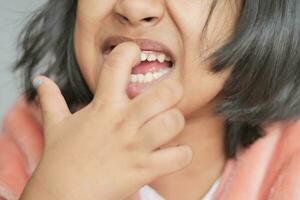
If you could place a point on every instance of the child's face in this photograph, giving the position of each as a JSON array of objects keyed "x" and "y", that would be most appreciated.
[{"x": 177, "y": 24}]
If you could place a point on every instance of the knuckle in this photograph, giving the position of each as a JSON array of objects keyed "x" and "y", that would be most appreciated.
[
  {"x": 140, "y": 163},
  {"x": 146, "y": 169},
  {"x": 180, "y": 159},
  {"x": 179, "y": 118},
  {"x": 101, "y": 106},
  {"x": 131, "y": 146},
  {"x": 129, "y": 113},
  {"x": 119, "y": 124},
  {"x": 108, "y": 105},
  {"x": 145, "y": 172},
  {"x": 174, "y": 118},
  {"x": 183, "y": 156},
  {"x": 126, "y": 130},
  {"x": 97, "y": 105},
  {"x": 113, "y": 115}
]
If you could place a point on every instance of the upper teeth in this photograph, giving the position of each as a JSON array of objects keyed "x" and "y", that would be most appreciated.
[{"x": 153, "y": 57}]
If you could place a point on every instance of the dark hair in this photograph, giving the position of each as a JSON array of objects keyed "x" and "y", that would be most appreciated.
[{"x": 264, "y": 51}]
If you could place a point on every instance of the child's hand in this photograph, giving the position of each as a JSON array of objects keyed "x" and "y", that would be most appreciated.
[{"x": 108, "y": 149}]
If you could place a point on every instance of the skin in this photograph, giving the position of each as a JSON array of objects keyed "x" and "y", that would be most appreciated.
[
  {"x": 182, "y": 32},
  {"x": 109, "y": 141}
]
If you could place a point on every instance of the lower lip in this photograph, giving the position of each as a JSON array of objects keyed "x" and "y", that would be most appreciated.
[{"x": 134, "y": 89}]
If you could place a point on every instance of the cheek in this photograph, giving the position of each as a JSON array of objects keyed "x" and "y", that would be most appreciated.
[
  {"x": 89, "y": 20},
  {"x": 201, "y": 88},
  {"x": 87, "y": 51},
  {"x": 88, "y": 61}
]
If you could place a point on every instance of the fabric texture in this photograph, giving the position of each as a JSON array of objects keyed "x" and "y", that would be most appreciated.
[
  {"x": 148, "y": 193},
  {"x": 268, "y": 169}
]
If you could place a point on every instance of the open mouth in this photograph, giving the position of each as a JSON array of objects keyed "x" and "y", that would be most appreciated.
[
  {"x": 157, "y": 62},
  {"x": 153, "y": 65}
]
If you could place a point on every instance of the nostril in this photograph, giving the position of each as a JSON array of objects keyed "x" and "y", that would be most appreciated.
[
  {"x": 148, "y": 19},
  {"x": 124, "y": 18},
  {"x": 111, "y": 48}
]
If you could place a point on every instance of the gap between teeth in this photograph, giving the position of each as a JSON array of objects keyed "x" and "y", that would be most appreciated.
[{"x": 149, "y": 76}]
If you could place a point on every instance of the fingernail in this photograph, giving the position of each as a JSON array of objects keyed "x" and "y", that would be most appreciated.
[{"x": 36, "y": 83}]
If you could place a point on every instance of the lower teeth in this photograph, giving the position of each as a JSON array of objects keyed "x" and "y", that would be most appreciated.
[{"x": 148, "y": 77}]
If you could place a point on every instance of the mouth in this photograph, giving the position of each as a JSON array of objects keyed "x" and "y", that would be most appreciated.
[{"x": 157, "y": 62}]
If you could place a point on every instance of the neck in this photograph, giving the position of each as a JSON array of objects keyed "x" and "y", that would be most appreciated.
[{"x": 204, "y": 134}]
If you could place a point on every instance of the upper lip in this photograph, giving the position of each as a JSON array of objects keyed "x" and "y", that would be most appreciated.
[{"x": 144, "y": 44}]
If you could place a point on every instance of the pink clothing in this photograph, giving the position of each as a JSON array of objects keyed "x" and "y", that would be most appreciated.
[{"x": 269, "y": 169}]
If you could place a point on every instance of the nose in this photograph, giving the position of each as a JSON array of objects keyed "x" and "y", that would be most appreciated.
[{"x": 139, "y": 12}]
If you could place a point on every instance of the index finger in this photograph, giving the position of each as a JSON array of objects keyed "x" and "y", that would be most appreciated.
[{"x": 115, "y": 73}]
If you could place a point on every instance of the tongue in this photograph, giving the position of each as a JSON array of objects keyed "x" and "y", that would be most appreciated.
[{"x": 147, "y": 66}]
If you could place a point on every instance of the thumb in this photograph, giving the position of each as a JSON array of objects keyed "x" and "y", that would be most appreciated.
[{"x": 53, "y": 105}]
